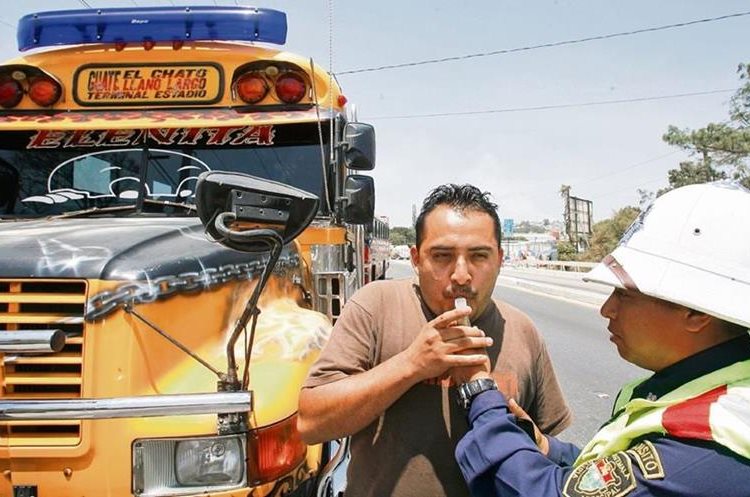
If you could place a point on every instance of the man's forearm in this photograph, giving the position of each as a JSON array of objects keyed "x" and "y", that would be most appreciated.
[{"x": 346, "y": 406}]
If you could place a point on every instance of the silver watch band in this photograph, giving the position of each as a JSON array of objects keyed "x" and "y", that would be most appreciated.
[{"x": 467, "y": 391}]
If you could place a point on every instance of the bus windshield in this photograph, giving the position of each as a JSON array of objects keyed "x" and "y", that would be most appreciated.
[{"x": 41, "y": 182}]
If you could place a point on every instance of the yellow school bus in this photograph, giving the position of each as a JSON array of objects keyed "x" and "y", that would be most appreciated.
[{"x": 181, "y": 219}]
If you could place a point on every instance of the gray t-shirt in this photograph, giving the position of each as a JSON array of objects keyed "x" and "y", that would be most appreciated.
[{"x": 408, "y": 450}]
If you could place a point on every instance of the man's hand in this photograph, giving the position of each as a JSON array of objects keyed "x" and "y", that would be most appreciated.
[
  {"x": 441, "y": 346},
  {"x": 344, "y": 407},
  {"x": 468, "y": 373}
]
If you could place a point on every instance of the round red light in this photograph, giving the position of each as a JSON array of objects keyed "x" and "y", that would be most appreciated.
[
  {"x": 290, "y": 88},
  {"x": 11, "y": 93},
  {"x": 44, "y": 92},
  {"x": 251, "y": 88},
  {"x": 342, "y": 100}
]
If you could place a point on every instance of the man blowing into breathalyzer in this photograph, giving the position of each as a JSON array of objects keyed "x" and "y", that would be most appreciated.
[{"x": 381, "y": 379}]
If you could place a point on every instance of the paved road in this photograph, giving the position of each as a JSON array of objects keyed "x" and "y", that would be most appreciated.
[
  {"x": 587, "y": 364},
  {"x": 569, "y": 285}
]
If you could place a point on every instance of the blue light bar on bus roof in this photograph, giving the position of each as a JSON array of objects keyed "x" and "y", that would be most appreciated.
[{"x": 130, "y": 25}]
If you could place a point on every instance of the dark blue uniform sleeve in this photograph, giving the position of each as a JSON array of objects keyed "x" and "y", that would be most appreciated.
[
  {"x": 498, "y": 459},
  {"x": 562, "y": 453}
]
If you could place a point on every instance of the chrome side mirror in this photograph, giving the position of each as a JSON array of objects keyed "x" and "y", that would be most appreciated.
[
  {"x": 359, "y": 193},
  {"x": 359, "y": 153}
]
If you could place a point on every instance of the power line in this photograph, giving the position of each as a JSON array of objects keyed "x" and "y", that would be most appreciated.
[
  {"x": 627, "y": 188},
  {"x": 85, "y": 4},
  {"x": 552, "y": 107},
  {"x": 620, "y": 171},
  {"x": 538, "y": 194},
  {"x": 536, "y": 191},
  {"x": 6, "y": 23},
  {"x": 545, "y": 45}
]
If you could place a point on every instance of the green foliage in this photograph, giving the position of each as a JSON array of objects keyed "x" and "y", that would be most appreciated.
[
  {"x": 400, "y": 235},
  {"x": 566, "y": 251},
  {"x": 718, "y": 150},
  {"x": 607, "y": 233},
  {"x": 690, "y": 173},
  {"x": 740, "y": 110}
]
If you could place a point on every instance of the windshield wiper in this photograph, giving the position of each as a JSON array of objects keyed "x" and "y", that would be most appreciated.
[{"x": 93, "y": 211}]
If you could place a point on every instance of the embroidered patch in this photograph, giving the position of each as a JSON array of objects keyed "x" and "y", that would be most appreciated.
[
  {"x": 648, "y": 460},
  {"x": 611, "y": 476}
]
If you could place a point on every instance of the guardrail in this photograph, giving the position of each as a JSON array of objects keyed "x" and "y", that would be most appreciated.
[{"x": 574, "y": 266}]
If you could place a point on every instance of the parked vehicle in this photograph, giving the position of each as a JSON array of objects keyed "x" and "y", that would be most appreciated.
[
  {"x": 400, "y": 252},
  {"x": 377, "y": 249},
  {"x": 178, "y": 230}
]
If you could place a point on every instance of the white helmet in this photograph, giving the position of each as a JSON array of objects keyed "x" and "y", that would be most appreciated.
[{"x": 690, "y": 247}]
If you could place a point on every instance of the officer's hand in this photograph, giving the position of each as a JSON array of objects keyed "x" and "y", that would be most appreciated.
[
  {"x": 539, "y": 438},
  {"x": 440, "y": 346}
]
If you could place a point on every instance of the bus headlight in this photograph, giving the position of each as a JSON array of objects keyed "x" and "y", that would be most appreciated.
[
  {"x": 209, "y": 461},
  {"x": 176, "y": 466}
]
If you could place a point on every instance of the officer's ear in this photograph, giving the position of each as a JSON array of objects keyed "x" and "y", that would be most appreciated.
[{"x": 696, "y": 321}]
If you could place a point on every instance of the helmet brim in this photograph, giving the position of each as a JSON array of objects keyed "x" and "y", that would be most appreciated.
[{"x": 699, "y": 289}]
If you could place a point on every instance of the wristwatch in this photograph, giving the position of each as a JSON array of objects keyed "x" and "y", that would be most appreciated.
[{"x": 467, "y": 391}]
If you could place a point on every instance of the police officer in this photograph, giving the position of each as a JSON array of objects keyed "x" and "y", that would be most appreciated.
[{"x": 680, "y": 308}]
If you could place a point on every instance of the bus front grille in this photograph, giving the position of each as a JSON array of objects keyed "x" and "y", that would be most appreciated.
[{"x": 43, "y": 304}]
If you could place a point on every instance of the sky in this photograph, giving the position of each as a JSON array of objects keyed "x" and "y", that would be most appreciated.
[{"x": 605, "y": 152}]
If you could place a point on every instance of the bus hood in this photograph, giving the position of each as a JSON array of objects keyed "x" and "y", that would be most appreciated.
[{"x": 109, "y": 248}]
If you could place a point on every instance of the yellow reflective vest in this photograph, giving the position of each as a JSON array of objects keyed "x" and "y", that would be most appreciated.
[{"x": 712, "y": 407}]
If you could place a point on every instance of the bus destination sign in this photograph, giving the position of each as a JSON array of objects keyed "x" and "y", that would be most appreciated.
[{"x": 139, "y": 84}]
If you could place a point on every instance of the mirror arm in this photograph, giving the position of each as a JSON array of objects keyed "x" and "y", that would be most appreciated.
[
  {"x": 341, "y": 203},
  {"x": 276, "y": 244},
  {"x": 130, "y": 309}
]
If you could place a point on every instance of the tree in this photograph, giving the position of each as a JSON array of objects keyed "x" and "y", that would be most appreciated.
[
  {"x": 690, "y": 173},
  {"x": 607, "y": 233},
  {"x": 566, "y": 251},
  {"x": 720, "y": 150},
  {"x": 400, "y": 235}
]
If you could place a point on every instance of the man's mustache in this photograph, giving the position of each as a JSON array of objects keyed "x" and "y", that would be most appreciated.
[{"x": 460, "y": 291}]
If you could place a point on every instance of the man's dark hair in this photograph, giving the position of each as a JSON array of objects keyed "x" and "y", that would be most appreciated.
[{"x": 460, "y": 198}]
